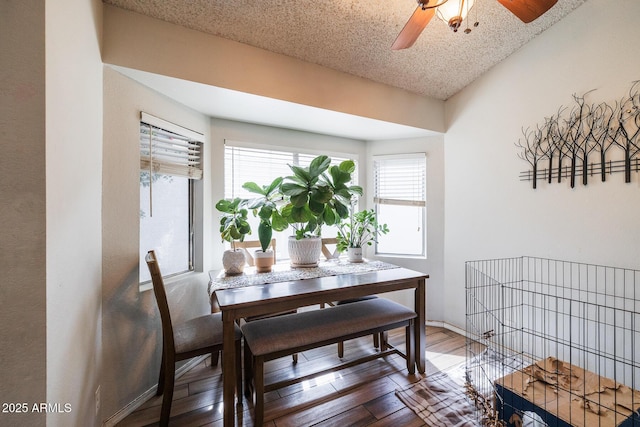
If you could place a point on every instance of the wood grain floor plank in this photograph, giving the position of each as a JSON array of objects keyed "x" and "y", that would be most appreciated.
[
  {"x": 340, "y": 403},
  {"x": 356, "y": 417},
  {"x": 299, "y": 401},
  {"x": 373, "y": 370},
  {"x": 405, "y": 417},
  {"x": 384, "y": 405}
]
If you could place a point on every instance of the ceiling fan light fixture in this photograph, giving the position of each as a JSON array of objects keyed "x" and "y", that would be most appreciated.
[
  {"x": 455, "y": 22},
  {"x": 453, "y": 12},
  {"x": 430, "y": 4}
]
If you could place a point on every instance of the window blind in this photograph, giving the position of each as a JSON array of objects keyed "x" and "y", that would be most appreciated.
[
  {"x": 244, "y": 164},
  {"x": 400, "y": 180},
  {"x": 169, "y": 149}
]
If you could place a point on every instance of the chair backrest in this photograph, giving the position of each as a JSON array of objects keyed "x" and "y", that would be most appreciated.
[
  {"x": 161, "y": 299},
  {"x": 325, "y": 250},
  {"x": 247, "y": 244}
]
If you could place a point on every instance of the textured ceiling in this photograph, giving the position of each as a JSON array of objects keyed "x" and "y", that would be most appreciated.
[{"x": 355, "y": 36}]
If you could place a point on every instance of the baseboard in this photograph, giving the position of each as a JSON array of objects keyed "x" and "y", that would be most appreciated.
[
  {"x": 140, "y": 400},
  {"x": 441, "y": 324}
]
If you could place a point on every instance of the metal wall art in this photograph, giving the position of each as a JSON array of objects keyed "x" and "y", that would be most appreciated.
[{"x": 587, "y": 140}]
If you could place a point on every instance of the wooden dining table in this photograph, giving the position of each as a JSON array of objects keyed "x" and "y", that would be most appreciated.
[{"x": 246, "y": 296}]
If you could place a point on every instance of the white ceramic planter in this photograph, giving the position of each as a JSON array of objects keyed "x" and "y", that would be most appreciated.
[
  {"x": 305, "y": 252},
  {"x": 354, "y": 255},
  {"x": 263, "y": 260},
  {"x": 233, "y": 261}
]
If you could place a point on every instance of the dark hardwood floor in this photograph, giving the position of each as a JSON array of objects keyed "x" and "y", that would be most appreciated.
[{"x": 360, "y": 396}]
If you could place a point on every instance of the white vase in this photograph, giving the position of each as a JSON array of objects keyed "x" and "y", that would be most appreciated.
[
  {"x": 263, "y": 260},
  {"x": 354, "y": 255},
  {"x": 305, "y": 252},
  {"x": 233, "y": 262}
]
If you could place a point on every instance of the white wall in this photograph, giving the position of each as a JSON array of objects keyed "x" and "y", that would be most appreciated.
[
  {"x": 51, "y": 124},
  {"x": 433, "y": 264},
  {"x": 131, "y": 333},
  {"x": 489, "y": 212},
  {"x": 22, "y": 209},
  {"x": 131, "y": 40},
  {"x": 74, "y": 185}
]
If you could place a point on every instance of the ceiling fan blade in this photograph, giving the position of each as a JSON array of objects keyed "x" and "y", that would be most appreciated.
[
  {"x": 413, "y": 28},
  {"x": 528, "y": 10}
]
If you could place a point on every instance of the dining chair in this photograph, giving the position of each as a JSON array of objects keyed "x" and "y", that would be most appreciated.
[
  {"x": 247, "y": 244},
  {"x": 329, "y": 254},
  {"x": 180, "y": 341},
  {"x": 379, "y": 340}
]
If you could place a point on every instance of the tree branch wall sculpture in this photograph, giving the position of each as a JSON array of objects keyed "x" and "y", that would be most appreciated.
[{"x": 582, "y": 134}]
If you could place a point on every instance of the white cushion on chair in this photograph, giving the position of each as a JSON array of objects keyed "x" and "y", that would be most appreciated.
[{"x": 203, "y": 331}]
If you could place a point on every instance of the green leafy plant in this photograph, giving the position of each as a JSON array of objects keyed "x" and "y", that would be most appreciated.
[
  {"x": 318, "y": 195},
  {"x": 233, "y": 221},
  {"x": 265, "y": 207},
  {"x": 360, "y": 229}
]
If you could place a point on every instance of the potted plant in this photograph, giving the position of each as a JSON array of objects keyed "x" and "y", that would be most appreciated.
[
  {"x": 233, "y": 227},
  {"x": 360, "y": 229},
  {"x": 317, "y": 195},
  {"x": 264, "y": 207}
]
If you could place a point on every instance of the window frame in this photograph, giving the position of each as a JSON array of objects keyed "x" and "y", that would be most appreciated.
[
  {"x": 187, "y": 167},
  {"x": 402, "y": 200}
]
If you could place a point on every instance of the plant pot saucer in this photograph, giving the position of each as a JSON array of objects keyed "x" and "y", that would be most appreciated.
[{"x": 310, "y": 265}]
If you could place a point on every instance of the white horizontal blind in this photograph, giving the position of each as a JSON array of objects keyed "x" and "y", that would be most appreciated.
[
  {"x": 168, "y": 149},
  {"x": 244, "y": 164},
  {"x": 400, "y": 179},
  {"x": 255, "y": 165}
]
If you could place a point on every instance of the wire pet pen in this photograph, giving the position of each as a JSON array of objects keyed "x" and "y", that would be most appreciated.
[{"x": 553, "y": 343}]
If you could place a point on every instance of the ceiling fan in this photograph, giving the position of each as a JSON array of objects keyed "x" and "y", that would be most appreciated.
[{"x": 526, "y": 10}]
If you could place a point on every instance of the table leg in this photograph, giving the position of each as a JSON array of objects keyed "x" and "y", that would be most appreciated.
[
  {"x": 419, "y": 327},
  {"x": 228, "y": 368}
]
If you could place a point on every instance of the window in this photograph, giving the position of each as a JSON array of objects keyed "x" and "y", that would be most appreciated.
[
  {"x": 244, "y": 163},
  {"x": 400, "y": 202},
  {"x": 169, "y": 165}
]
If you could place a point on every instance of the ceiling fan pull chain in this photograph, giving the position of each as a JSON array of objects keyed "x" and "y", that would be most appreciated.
[{"x": 475, "y": 24}]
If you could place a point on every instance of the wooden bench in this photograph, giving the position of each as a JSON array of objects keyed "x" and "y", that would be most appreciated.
[{"x": 276, "y": 337}]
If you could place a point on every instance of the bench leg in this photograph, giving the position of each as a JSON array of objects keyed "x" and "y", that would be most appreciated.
[
  {"x": 376, "y": 341},
  {"x": 410, "y": 350},
  {"x": 215, "y": 357},
  {"x": 341, "y": 349},
  {"x": 258, "y": 371},
  {"x": 384, "y": 340}
]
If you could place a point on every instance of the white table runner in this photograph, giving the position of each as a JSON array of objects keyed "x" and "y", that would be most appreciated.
[{"x": 285, "y": 273}]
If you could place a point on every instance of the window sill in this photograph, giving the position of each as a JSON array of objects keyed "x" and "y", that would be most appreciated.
[
  {"x": 401, "y": 256},
  {"x": 148, "y": 286}
]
